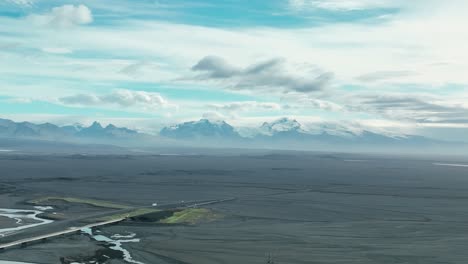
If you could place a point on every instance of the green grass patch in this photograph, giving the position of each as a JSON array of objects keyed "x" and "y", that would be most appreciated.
[
  {"x": 134, "y": 213},
  {"x": 91, "y": 202},
  {"x": 191, "y": 216},
  {"x": 54, "y": 217}
]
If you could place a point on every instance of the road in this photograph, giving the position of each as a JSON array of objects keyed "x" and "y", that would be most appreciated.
[{"x": 65, "y": 227}]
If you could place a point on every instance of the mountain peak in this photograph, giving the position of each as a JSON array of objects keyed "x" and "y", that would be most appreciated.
[
  {"x": 110, "y": 126},
  {"x": 96, "y": 125},
  {"x": 200, "y": 129},
  {"x": 96, "y": 130},
  {"x": 212, "y": 122},
  {"x": 284, "y": 124}
]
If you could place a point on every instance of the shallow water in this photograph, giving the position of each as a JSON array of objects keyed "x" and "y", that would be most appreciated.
[
  {"x": 450, "y": 164},
  {"x": 12, "y": 262},
  {"x": 43, "y": 208},
  {"x": 116, "y": 241},
  {"x": 19, "y": 215}
]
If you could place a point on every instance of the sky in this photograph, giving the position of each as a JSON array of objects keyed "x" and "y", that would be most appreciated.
[{"x": 385, "y": 65}]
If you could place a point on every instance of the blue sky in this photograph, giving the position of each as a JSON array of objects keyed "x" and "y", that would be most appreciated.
[{"x": 393, "y": 66}]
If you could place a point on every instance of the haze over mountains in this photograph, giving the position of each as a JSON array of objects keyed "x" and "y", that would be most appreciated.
[
  {"x": 11, "y": 129},
  {"x": 284, "y": 133}
]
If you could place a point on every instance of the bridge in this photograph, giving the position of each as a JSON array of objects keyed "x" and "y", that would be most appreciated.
[{"x": 24, "y": 242}]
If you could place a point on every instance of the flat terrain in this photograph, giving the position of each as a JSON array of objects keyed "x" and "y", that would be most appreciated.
[
  {"x": 6, "y": 222},
  {"x": 290, "y": 207}
]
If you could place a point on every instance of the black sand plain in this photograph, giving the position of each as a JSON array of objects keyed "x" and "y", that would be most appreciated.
[{"x": 289, "y": 207}]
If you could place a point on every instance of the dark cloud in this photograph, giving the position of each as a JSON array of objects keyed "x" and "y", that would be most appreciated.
[
  {"x": 384, "y": 103},
  {"x": 215, "y": 67},
  {"x": 416, "y": 108},
  {"x": 266, "y": 66},
  {"x": 266, "y": 75}
]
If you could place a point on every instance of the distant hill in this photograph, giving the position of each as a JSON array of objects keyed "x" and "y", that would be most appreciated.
[{"x": 11, "y": 129}]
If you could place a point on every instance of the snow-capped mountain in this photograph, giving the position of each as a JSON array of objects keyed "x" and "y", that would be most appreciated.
[
  {"x": 287, "y": 129},
  {"x": 283, "y": 125},
  {"x": 335, "y": 129},
  {"x": 283, "y": 132},
  {"x": 203, "y": 128},
  {"x": 327, "y": 135}
]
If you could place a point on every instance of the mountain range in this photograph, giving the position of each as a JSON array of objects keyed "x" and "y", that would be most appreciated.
[
  {"x": 289, "y": 132},
  {"x": 11, "y": 129},
  {"x": 284, "y": 133}
]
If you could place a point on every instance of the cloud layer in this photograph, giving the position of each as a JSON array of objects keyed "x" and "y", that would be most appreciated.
[{"x": 401, "y": 62}]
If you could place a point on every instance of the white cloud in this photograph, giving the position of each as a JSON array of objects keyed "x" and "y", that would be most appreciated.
[
  {"x": 130, "y": 98},
  {"x": 121, "y": 98},
  {"x": 245, "y": 106},
  {"x": 322, "y": 104},
  {"x": 384, "y": 76},
  {"x": 24, "y": 3},
  {"x": 64, "y": 16},
  {"x": 214, "y": 116},
  {"x": 19, "y": 100},
  {"x": 139, "y": 69},
  {"x": 300, "y": 101},
  {"x": 340, "y": 4}
]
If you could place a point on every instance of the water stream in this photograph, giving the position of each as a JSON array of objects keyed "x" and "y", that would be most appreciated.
[
  {"x": 24, "y": 219},
  {"x": 116, "y": 242}
]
